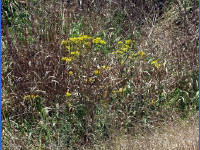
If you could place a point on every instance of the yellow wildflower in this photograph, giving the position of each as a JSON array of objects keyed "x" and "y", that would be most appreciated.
[
  {"x": 79, "y": 38},
  {"x": 128, "y": 41},
  {"x": 63, "y": 58},
  {"x": 120, "y": 42},
  {"x": 87, "y": 44},
  {"x": 96, "y": 72},
  {"x": 106, "y": 67},
  {"x": 32, "y": 96},
  {"x": 64, "y": 42},
  {"x": 124, "y": 49},
  {"x": 157, "y": 65},
  {"x": 115, "y": 91},
  {"x": 67, "y": 59},
  {"x": 68, "y": 94},
  {"x": 70, "y": 73},
  {"x": 154, "y": 62},
  {"x": 84, "y": 37},
  {"x": 67, "y": 47},
  {"x": 99, "y": 41},
  {"x": 72, "y": 53},
  {"x": 126, "y": 46},
  {"x": 73, "y": 39},
  {"x": 122, "y": 62},
  {"x": 121, "y": 90},
  {"x": 141, "y": 53},
  {"x": 77, "y": 53},
  {"x": 91, "y": 80}
]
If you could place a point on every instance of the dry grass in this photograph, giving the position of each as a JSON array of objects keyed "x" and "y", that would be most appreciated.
[
  {"x": 173, "y": 39},
  {"x": 176, "y": 135}
]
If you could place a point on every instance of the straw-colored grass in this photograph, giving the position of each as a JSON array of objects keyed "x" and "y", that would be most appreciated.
[{"x": 176, "y": 135}]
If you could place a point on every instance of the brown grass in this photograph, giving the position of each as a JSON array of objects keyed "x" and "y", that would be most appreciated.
[{"x": 176, "y": 135}]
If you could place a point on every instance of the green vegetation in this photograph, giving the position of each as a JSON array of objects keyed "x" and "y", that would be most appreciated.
[{"x": 72, "y": 77}]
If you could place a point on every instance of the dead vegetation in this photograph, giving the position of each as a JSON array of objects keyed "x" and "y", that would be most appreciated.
[{"x": 176, "y": 135}]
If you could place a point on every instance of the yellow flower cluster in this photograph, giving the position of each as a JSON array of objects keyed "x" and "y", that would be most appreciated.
[
  {"x": 106, "y": 67},
  {"x": 90, "y": 80},
  {"x": 120, "y": 42},
  {"x": 98, "y": 71},
  {"x": 65, "y": 42},
  {"x": 74, "y": 43},
  {"x": 84, "y": 39},
  {"x": 122, "y": 62},
  {"x": 78, "y": 39},
  {"x": 124, "y": 46},
  {"x": 115, "y": 91},
  {"x": 67, "y": 59},
  {"x": 121, "y": 90},
  {"x": 98, "y": 40},
  {"x": 68, "y": 48},
  {"x": 127, "y": 42},
  {"x": 32, "y": 96},
  {"x": 139, "y": 53},
  {"x": 76, "y": 53},
  {"x": 77, "y": 46},
  {"x": 86, "y": 44},
  {"x": 157, "y": 64},
  {"x": 71, "y": 73},
  {"x": 68, "y": 94}
]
